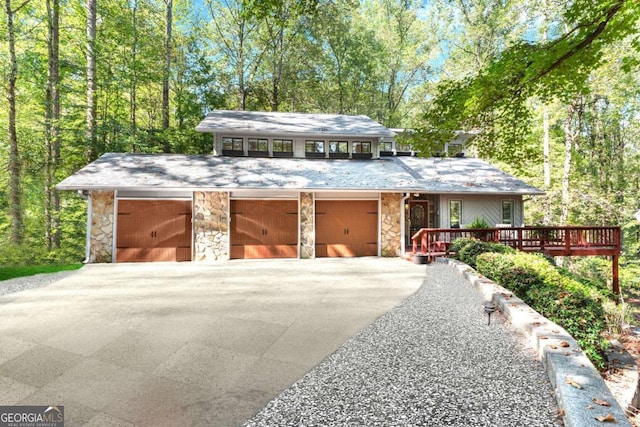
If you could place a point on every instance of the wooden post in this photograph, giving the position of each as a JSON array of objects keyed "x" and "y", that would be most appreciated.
[{"x": 615, "y": 279}]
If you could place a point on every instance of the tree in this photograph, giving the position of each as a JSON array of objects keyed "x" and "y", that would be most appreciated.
[
  {"x": 495, "y": 100},
  {"x": 15, "y": 193},
  {"x": 167, "y": 67},
  {"x": 52, "y": 125},
  {"x": 91, "y": 131}
]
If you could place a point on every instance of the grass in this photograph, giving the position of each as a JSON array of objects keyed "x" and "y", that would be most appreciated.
[{"x": 13, "y": 272}]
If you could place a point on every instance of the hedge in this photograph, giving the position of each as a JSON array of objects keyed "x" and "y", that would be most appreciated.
[{"x": 563, "y": 300}]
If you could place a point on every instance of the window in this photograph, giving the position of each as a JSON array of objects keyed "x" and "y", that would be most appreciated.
[
  {"x": 256, "y": 144},
  {"x": 314, "y": 146},
  {"x": 403, "y": 147},
  {"x": 338, "y": 147},
  {"x": 232, "y": 144},
  {"x": 282, "y": 146},
  {"x": 361, "y": 147},
  {"x": 387, "y": 146},
  {"x": 455, "y": 213},
  {"x": 507, "y": 212}
]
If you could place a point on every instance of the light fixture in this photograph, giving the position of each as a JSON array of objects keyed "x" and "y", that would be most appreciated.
[{"x": 489, "y": 308}]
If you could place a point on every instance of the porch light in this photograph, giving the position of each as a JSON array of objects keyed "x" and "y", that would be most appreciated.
[{"x": 489, "y": 308}]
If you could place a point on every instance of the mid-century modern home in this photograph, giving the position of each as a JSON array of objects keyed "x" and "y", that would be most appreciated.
[{"x": 285, "y": 185}]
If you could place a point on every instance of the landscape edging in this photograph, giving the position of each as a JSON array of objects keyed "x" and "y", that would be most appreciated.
[{"x": 579, "y": 389}]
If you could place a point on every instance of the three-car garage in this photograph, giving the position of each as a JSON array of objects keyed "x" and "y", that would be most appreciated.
[{"x": 162, "y": 230}]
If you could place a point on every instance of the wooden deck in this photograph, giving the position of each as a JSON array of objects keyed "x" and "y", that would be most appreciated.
[{"x": 553, "y": 241}]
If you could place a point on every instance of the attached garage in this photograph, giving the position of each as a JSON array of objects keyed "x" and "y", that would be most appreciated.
[
  {"x": 264, "y": 229},
  {"x": 153, "y": 230},
  {"x": 346, "y": 228}
]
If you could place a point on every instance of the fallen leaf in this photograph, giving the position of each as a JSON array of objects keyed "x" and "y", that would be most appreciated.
[
  {"x": 506, "y": 295},
  {"x": 542, "y": 337},
  {"x": 556, "y": 331},
  {"x": 601, "y": 402},
  {"x": 589, "y": 406},
  {"x": 536, "y": 323},
  {"x": 606, "y": 419},
  {"x": 513, "y": 304},
  {"x": 553, "y": 346},
  {"x": 573, "y": 383},
  {"x": 564, "y": 344}
]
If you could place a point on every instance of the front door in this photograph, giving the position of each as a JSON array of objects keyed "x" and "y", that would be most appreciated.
[{"x": 418, "y": 216}]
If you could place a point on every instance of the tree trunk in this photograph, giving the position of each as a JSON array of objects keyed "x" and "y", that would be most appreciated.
[
  {"x": 570, "y": 135},
  {"x": 546, "y": 164},
  {"x": 91, "y": 133},
  {"x": 167, "y": 73},
  {"x": 134, "y": 81},
  {"x": 52, "y": 126},
  {"x": 15, "y": 196}
]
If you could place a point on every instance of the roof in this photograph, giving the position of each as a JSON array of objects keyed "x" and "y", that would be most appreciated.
[
  {"x": 137, "y": 172},
  {"x": 302, "y": 124}
]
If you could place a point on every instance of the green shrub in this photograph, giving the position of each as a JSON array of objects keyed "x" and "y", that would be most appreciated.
[
  {"x": 458, "y": 244},
  {"x": 574, "y": 306},
  {"x": 470, "y": 251}
]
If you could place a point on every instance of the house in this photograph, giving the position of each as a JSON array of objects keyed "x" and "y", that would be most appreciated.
[{"x": 284, "y": 185}]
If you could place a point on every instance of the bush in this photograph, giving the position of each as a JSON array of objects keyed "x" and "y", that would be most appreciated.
[
  {"x": 563, "y": 300},
  {"x": 469, "y": 250}
]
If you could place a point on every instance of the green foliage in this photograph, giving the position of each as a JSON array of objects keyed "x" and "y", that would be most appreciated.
[
  {"x": 478, "y": 223},
  {"x": 563, "y": 300},
  {"x": 467, "y": 250},
  {"x": 13, "y": 272},
  {"x": 496, "y": 99}
]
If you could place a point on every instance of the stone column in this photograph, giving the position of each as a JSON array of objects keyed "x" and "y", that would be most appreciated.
[
  {"x": 210, "y": 224},
  {"x": 390, "y": 225},
  {"x": 307, "y": 232},
  {"x": 101, "y": 236}
]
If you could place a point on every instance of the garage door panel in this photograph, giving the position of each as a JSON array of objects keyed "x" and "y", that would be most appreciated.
[
  {"x": 264, "y": 229},
  {"x": 346, "y": 228},
  {"x": 153, "y": 230}
]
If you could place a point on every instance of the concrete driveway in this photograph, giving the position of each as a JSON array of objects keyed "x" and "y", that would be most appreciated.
[{"x": 186, "y": 343}]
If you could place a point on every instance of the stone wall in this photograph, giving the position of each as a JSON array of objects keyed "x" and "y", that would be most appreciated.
[
  {"x": 210, "y": 224},
  {"x": 101, "y": 236},
  {"x": 390, "y": 215},
  {"x": 307, "y": 233}
]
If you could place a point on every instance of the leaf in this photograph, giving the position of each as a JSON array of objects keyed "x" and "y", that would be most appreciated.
[
  {"x": 607, "y": 419},
  {"x": 573, "y": 383},
  {"x": 601, "y": 402},
  {"x": 564, "y": 344},
  {"x": 542, "y": 337},
  {"x": 553, "y": 346}
]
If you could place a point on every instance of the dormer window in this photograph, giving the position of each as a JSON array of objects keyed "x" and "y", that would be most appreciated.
[
  {"x": 314, "y": 148},
  {"x": 258, "y": 147},
  {"x": 339, "y": 149},
  {"x": 361, "y": 150},
  {"x": 232, "y": 146},
  {"x": 282, "y": 148}
]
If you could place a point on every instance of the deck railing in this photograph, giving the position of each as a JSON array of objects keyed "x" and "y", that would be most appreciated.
[{"x": 554, "y": 241}]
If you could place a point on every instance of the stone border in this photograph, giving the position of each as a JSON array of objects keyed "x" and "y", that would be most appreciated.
[{"x": 577, "y": 383}]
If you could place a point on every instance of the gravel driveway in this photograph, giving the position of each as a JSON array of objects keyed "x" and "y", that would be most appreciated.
[{"x": 432, "y": 361}]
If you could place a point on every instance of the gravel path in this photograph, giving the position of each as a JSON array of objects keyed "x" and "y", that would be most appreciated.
[
  {"x": 431, "y": 361},
  {"x": 23, "y": 283}
]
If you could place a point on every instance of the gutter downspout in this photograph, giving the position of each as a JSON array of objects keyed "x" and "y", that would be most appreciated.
[
  {"x": 87, "y": 196},
  {"x": 403, "y": 243}
]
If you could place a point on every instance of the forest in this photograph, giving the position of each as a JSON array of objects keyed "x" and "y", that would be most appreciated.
[{"x": 552, "y": 87}]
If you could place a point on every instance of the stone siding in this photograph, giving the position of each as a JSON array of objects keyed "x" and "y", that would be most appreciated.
[
  {"x": 211, "y": 230},
  {"x": 307, "y": 232},
  {"x": 101, "y": 236},
  {"x": 390, "y": 216}
]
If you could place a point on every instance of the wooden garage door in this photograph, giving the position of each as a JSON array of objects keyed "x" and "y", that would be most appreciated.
[
  {"x": 346, "y": 228},
  {"x": 153, "y": 230},
  {"x": 264, "y": 229}
]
